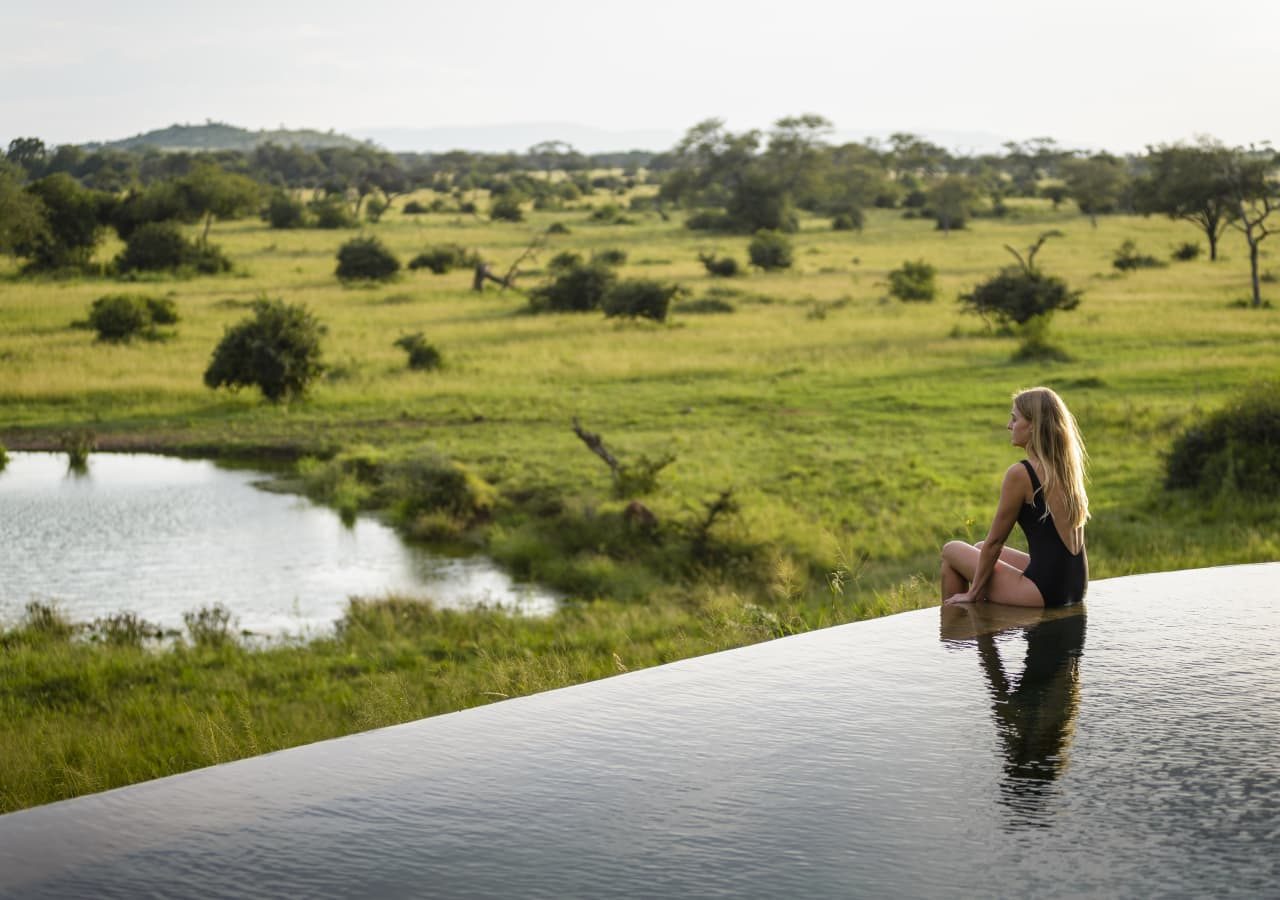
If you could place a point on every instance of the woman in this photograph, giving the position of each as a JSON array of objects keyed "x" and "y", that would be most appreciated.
[{"x": 1043, "y": 493}]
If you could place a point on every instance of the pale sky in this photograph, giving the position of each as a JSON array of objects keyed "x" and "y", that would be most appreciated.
[{"x": 1117, "y": 74}]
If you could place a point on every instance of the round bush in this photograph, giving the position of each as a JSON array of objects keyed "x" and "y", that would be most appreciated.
[
  {"x": 332, "y": 212},
  {"x": 849, "y": 220},
  {"x": 286, "y": 211},
  {"x": 720, "y": 267},
  {"x": 441, "y": 258},
  {"x": 1017, "y": 296},
  {"x": 414, "y": 208},
  {"x": 1234, "y": 449},
  {"x": 276, "y": 350},
  {"x": 422, "y": 355},
  {"x": 161, "y": 247},
  {"x": 366, "y": 259},
  {"x": 506, "y": 209},
  {"x": 770, "y": 250},
  {"x": 119, "y": 317},
  {"x": 640, "y": 298},
  {"x": 578, "y": 288},
  {"x": 913, "y": 281}
]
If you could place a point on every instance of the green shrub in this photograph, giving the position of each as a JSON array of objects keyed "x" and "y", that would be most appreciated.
[
  {"x": 366, "y": 259},
  {"x": 564, "y": 261},
  {"x": 441, "y": 258},
  {"x": 609, "y": 214},
  {"x": 719, "y": 267},
  {"x": 286, "y": 211},
  {"x": 1186, "y": 252},
  {"x": 374, "y": 208},
  {"x": 1128, "y": 258},
  {"x": 422, "y": 355},
  {"x": 506, "y": 209},
  {"x": 276, "y": 350},
  {"x": 640, "y": 298},
  {"x": 558, "y": 228},
  {"x": 611, "y": 256},
  {"x": 704, "y": 305},
  {"x": 161, "y": 247},
  {"x": 708, "y": 220},
  {"x": 579, "y": 288},
  {"x": 848, "y": 220},
  {"x": 332, "y": 212},
  {"x": 1016, "y": 296},
  {"x": 209, "y": 626},
  {"x": 1236, "y": 448},
  {"x": 427, "y": 484},
  {"x": 414, "y": 208},
  {"x": 770, "y": 250},
  {"x": 913, "y": 281},
  {"x": 122, "y": 317}
]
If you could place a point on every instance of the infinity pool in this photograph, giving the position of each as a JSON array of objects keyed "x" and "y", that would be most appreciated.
[
  {"x": 1128, "y": 749},
  {"x": 160, "y": 536}
]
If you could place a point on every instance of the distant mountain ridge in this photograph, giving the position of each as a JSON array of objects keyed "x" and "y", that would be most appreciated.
[{"x": 220, "y": 136}]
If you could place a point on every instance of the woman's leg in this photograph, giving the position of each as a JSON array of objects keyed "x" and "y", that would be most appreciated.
[
  {"x": 1007, "y": 585},
  {"x": 1015, "y": 558},
  {"x": 952, "y": 581}
]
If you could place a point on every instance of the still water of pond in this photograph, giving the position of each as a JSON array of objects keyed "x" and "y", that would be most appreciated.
[{"x": 160, "y": 536}]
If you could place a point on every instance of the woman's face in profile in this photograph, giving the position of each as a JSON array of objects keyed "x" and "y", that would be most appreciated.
[{"x": 1019, "y": 428}]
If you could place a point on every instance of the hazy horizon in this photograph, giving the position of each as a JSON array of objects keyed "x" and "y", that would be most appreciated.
[{"x": 1107, "y": 75}]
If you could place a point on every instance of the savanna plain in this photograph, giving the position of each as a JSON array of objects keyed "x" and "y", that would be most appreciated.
[{"x": 824, "y": 441}]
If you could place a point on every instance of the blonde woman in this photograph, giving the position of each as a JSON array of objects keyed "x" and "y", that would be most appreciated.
[{"x": 1043, "y": 493}]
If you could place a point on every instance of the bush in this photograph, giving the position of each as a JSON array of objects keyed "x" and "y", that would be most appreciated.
[
  {"x": 640, "y": 298},
  {"x": 286, "y": 211},
  {"x": 4, "y": 458},
  {"x": 770, "y": 250},
  {"x": 609, "y": 214},
  {"x": 705, "y": 305},
  {"x": 122, "y": 317},
  {"x": 578, "y": 288},
  {"x": 506, "y": 209},
  {"x": 611, "y": 256},
  {"x": 374, "y": 208},
  {"x": 429, "y": 484},
  {"x": 913, "y": 281},
  {"x": 849, "y": 220},
  {"x": 706, "y": 220},
  {"x": 720, "y": 267},
  {"x": 1016, "y": 296},
  {"x": 422, "y": 355},
  {"x": 441, "y": 258},
  {"x": 276, "y": 350},
  {"x": 366, "y": 258},
  {"x": 1235, "y": 449},
  {"x": 1127, "y": 258},
  {"x": 564, "y": 261},
  {"x": 558, "y": 228},
  {"x": 161, "y": 247},
  {"x": 209, "y": 626},
  {"x": 1186, "y": 252},
  {"x": 414, "y": 208},
  {"x": 332, "y": 212}
]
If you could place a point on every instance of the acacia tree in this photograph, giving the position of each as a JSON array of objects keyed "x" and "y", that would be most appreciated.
[
  {"x": 1097, "y": 183},
  {"x": 1189, "y": 182},
  {"x": 1254, "y": 195},
  {"x": 209, "y": 191},
  {"x": 951, "y": 199}
]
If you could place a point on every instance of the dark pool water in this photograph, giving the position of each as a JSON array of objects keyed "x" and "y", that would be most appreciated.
[
  {"x": 1130, "y": 749},
  {"x": 160, "y": 536}
]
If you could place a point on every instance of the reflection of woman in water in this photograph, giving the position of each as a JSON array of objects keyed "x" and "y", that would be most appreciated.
[
  {"x": 1034, "y": 713},
  {"x": 1043, "y": 493}
]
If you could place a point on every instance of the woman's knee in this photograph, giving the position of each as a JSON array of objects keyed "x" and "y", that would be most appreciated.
[{"x": 952, "y": 550}]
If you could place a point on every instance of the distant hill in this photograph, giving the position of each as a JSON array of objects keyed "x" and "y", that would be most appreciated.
[{"x": 220, "y": 136}]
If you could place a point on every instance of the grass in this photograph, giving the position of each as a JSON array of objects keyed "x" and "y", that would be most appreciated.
[{"x": 855, "y": 433}]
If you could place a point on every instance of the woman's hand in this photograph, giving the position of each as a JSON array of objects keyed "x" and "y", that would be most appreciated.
[{"x": 958, "y": 598}]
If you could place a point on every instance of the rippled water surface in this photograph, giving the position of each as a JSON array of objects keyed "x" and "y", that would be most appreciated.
[
  {"x": 1128, "y": 750},
  {"x": 160, "y": 536}
]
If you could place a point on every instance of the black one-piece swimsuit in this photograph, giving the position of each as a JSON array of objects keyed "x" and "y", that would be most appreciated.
[{"x": 1061, "y": 576}]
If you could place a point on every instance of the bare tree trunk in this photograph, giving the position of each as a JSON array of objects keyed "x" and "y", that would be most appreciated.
[{"x": 1253, "y": 270}]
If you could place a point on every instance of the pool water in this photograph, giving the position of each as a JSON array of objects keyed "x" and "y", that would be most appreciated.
[{"x": 1128, "y": 748}]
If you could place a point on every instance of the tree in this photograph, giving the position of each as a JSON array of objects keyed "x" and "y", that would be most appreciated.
[
  {"x": 22, "y": 216},
  {"x": 29, "y": 153},
  {"x": 73, "y": 222},
  {"x": 1025, "y": 298},
  {"x": 951, "y": 200},
  {"x": 1254, "y": 195},
  {"x": 1097, "y": 183},
  {"x": 209, "y": 191},
  {"x": 366, "y": 258},
  {"x": 1189, "y": 182},
  {"x": 276, "y": 350}
]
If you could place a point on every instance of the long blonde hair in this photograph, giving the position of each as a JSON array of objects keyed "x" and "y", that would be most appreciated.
[{"x": 1055, "y": 440}]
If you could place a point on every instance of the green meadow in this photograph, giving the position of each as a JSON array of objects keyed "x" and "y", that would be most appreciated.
[{"x": 855, "y": 434}]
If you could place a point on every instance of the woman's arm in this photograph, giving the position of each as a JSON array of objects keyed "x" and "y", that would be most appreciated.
[{"x": 1013, "y": 493}]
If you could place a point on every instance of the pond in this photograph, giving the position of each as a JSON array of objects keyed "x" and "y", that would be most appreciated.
[
  {"x": 1128, "y": 750},
  {"x": 161, "y": 536}
]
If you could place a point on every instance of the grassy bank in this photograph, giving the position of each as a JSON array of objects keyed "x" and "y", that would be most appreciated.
[{"x": 855, "y": 433}]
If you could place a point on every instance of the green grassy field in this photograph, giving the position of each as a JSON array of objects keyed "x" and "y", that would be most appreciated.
[{"x": 856, "y": 433}]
